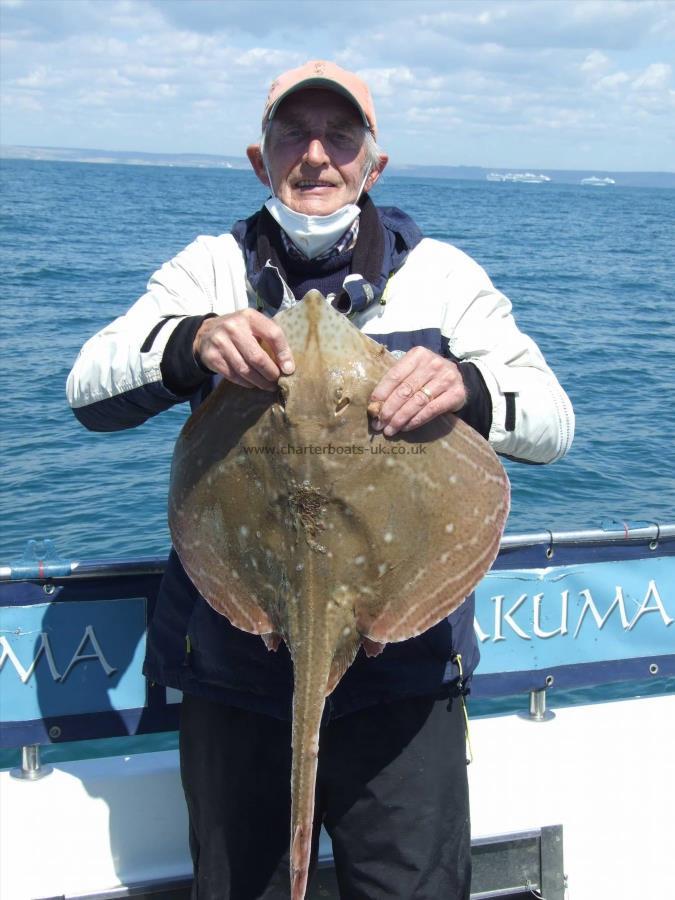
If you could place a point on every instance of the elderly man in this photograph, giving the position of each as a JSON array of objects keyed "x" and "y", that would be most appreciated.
[{"x": 392, "y": 786}]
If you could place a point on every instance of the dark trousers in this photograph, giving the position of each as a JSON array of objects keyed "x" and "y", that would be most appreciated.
[{"x": 391, "y": 791}]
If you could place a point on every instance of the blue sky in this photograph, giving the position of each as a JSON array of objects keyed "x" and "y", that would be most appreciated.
[{"x": 527, "y": 83}]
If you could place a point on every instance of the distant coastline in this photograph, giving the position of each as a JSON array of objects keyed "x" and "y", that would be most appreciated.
[
  {"x": 123, "y": 157},
  {"x": 464, "y": 173}
]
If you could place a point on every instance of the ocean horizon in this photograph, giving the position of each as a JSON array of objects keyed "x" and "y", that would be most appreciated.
[{"x": 395, "y": 169}]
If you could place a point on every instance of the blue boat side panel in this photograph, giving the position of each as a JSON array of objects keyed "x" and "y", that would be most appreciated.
[
  {"x": 561, "y": 678},
  {"x": 51, "y": 691},
  {"x": 72, "y": 646},
  {"x": 574, "y": 615},
  {"x": 65, "y": 659},
  {"x": 158, "y": 716}
]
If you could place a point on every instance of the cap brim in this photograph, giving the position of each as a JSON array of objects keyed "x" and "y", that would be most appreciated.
[{"x": 326, "y": 83}]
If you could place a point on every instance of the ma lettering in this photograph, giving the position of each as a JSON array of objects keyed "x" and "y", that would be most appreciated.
[{"x": 45, "y": 647}]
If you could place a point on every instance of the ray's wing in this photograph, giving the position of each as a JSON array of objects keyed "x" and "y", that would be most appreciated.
[
  {"x": 217, "y": 503},
  {"x": 438, "y": 540},
  {"x": 435, "y": 510}
]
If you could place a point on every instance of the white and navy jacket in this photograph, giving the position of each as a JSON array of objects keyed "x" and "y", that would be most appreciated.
[{"x": 431, "y": 294}]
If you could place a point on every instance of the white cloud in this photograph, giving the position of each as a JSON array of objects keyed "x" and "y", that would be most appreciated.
[
  {"x": 595, "y": 63},
  {"x": 612, "y": 82},
  {"x": 655, "y": 77},
  {"x": 582, "y": 24},
  {"x": 387, "y": 82},
  {"x": 41, "y": 77}
]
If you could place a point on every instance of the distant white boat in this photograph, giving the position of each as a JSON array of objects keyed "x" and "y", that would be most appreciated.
[
  {"x": 527, "y": 177},
  {"x": 598, "y": 182}
]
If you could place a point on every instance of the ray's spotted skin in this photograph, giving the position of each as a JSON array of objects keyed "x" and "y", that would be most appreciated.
[{"x": 298, "y": 521}]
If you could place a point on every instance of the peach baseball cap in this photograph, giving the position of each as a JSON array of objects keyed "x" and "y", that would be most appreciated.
[{"x": 320, "y": 74}]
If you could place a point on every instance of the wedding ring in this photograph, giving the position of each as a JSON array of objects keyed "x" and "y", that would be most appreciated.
[{"x": 427, "y": 393}]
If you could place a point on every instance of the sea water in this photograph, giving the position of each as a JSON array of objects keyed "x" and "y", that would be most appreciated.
[{"x": 590, "y": 272}]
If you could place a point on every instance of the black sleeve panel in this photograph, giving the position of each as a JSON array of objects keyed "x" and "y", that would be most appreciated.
[
  {"x": 478, "y": 409},
  {"x": 150, "y": 339},
  {"x": 181, "y": 372},
  {"x": 126, "y": 410}
]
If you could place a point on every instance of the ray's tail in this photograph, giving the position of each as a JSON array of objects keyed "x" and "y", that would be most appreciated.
[{"x": 308, "y": 704}]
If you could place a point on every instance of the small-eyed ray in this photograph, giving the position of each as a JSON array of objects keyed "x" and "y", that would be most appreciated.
[{"x": 298, "y": 522}]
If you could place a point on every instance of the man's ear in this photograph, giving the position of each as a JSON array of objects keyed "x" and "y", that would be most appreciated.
[
  {"x": 376, "y": 172},
  {"x": 255, "y": 158}
]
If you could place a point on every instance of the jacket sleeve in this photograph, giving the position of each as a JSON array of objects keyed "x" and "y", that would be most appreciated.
[
  {"x": 532, "y": 417},
  {"x": 118, "y": 379}
]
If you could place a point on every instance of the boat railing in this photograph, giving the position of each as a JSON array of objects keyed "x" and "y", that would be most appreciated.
[{"x": 49, "y": 566}]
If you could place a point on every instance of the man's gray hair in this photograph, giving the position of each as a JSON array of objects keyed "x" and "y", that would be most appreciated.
[{"x": 373, "y": 150}]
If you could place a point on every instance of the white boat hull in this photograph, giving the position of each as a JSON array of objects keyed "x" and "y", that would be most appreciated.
[{"x": 605, "y": 772}]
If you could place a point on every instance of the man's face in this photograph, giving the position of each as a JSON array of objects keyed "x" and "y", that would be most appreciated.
[{"x": 315, "y": 152}]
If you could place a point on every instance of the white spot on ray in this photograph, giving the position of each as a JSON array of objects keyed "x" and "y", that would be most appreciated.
[
  {"x": 449, "y": 528},
  {"x": 388, "y": 537},
  {"x": 359, "y": 561},
  {"x": 382, "y": 568},
  {"x": 243, "y": 531}
]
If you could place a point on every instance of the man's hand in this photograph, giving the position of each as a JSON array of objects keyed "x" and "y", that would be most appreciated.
[
  {"x": 417, "y": 388},
  {"x": 231, "y": 345}
]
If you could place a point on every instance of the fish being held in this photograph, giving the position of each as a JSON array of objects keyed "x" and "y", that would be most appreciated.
[{"x": 298, "y": 522}]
